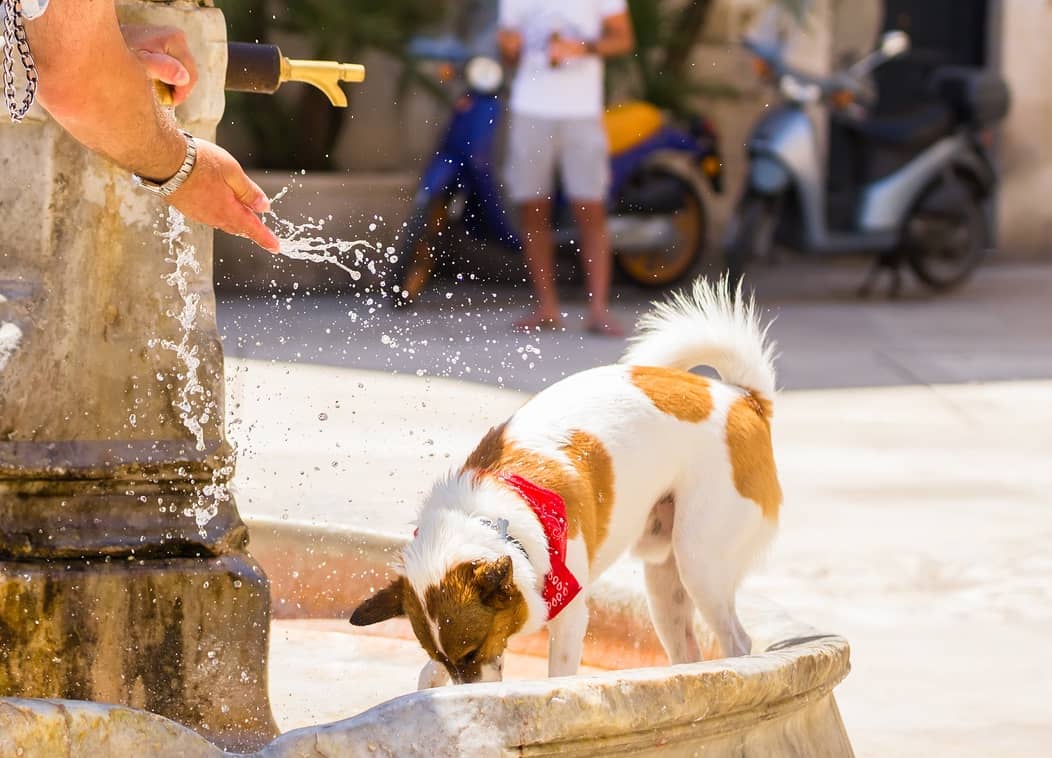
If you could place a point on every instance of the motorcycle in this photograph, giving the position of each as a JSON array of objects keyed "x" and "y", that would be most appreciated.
[
  {"x": 918, "y": 186},
  {"x": 657, "y": 222}
]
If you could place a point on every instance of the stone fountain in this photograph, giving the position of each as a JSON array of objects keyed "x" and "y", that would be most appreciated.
[
  {"x": 124, "y": 572},
  {"x": 110, "y": 589}
]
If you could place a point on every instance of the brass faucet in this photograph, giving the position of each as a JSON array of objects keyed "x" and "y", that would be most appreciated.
[
  {"x": 263, "y": 69},
  {"x": 325, "y": 75}
]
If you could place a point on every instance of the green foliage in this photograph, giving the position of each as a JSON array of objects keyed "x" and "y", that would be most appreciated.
[
  {"x": 666, "y": 33},
  {"x": 302, "y": 134}
]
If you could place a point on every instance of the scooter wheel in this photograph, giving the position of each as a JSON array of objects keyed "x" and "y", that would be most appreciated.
[
  {"x": 945, "y": 236},
  {"x": 417, "y": 255},
  {"x": 665, "y": 266},
  {"x": 750, "y": 236}
]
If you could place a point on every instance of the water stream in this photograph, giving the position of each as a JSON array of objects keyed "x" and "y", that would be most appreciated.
[{"x": 193, "y": 404}]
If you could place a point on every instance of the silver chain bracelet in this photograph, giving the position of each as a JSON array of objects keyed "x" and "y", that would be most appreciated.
[{"x": 15, "y": 40}]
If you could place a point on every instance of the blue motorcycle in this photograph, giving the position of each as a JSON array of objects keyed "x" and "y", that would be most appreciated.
[{"x": 658, "y": 222}]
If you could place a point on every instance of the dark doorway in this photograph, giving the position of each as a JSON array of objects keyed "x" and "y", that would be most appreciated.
[{"x": 942, "y": 32}]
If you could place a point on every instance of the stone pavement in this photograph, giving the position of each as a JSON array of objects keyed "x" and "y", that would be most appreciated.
[
  {"x": 917, "y": 517},
  {"x": 996, "y": 328}
]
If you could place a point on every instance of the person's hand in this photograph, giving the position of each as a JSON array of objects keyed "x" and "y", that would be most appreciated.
[
  {"x": 164, "y": 54},
  {"x": 220, "y": 194},
  {"x": 561, "y": 50},
  {"x": 510, "y": 44}
]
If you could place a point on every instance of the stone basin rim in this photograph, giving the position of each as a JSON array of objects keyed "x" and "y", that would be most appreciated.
[{"x": 798, "y": 669}]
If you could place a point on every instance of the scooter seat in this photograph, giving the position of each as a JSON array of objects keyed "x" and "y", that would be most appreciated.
[
  {"x": 916, "y": 130},
  {"x": 630, "y": 124}
]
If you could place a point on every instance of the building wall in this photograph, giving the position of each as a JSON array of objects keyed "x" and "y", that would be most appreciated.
[{"x": 1023, "y": 49}]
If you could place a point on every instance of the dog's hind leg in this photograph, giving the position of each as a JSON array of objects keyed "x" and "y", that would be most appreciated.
[
  {"x": 717, "y": 536},
  {"x": 672, "y": 611}
]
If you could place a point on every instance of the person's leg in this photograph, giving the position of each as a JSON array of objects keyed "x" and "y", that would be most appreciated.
[
  {"x": 532, "y": 151},
  {"x": 585, "y": 164},
  {"x": 539, "y": 249},
  {"x": 598, "y": 259}
]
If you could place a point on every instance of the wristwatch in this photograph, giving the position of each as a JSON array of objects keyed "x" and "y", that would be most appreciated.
[{"x": 164, "y": 189}]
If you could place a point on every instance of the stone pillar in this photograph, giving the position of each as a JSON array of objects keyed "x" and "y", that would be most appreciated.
[{"x": 124, "y": 576}]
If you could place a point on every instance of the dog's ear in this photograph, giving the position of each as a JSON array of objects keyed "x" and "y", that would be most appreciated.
[
  {"x": 493, "y": 580},
  {"x": 385, "y": 604}
]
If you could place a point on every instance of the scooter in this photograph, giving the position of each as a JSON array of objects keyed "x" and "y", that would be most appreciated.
[
  {"x": 919, "y": 184},
  {"x": 658, "y": 220}
]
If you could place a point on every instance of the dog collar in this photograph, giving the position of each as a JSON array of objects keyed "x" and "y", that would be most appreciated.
[
  {"x": 500, "y": 526},
  {"x": 560, "y": 585}
]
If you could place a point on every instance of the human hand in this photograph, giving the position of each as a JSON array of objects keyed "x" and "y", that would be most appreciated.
[
  {"x": 220, "y": 194},
  {"x": 164, "y": 54},
  {"x": 510, "y": 44},
  {"x": 561, "y": 50}
]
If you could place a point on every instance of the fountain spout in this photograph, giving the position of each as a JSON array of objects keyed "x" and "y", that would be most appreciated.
[
  {"x": 325, "y": 75},
  {"x": 263, "y": 69}
]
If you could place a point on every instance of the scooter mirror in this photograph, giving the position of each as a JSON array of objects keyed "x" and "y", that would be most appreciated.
[{"x": 895, "y": 43}]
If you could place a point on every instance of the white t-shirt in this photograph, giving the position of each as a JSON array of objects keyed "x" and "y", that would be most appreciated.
[{"x": 574, "y": 89}]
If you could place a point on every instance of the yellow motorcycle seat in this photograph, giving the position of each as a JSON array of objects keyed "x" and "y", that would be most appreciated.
[{"x": 629, "y": 124}]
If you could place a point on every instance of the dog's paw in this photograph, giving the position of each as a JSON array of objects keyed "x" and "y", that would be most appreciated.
[{"x": 432, "y": 675}]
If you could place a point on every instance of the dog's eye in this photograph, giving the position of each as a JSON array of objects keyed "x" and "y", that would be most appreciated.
[{"x": 470, "y": 657}]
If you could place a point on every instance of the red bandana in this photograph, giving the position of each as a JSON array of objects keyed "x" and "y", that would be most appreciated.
[{"x": 560, "y": 585}]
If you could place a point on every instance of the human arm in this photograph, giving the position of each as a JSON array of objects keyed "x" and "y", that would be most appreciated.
[
  {"x": 617, "y": 38},
  {"x": 97, "y": 89}
]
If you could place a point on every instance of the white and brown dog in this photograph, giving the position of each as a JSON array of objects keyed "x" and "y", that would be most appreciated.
[{"x": 644, "y": 456}]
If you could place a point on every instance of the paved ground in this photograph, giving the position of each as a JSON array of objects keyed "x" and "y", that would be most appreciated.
[
  {"x": 916, "y": 470},
  {"x": 995, "y": 329}
]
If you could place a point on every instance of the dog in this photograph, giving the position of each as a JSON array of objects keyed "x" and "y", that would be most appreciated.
[{"x": 642, "y": 456}]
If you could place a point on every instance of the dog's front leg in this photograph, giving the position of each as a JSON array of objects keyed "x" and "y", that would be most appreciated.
[
  {"x": 433, "y": 674},
  {"x": 566, "y": 638}
]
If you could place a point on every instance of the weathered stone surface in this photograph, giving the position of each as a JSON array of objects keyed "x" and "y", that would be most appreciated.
[
  {"x": 185, "y": 638},
  {"x": 123, "y": 572},
  {"x": 46, "y": 729}
]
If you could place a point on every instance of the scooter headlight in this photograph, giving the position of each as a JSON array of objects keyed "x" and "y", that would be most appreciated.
[
  {"x": 798, "y": 90},
  {"x": 484, "y": 75}
]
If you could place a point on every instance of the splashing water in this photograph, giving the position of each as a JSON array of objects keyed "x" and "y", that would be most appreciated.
[
  {"x": 305, "y": 242},
  {"x": 209, "y": 497},
  {"x": 182, "y": 254},
  {"x": 10, "y": 337},
  {"x": 193, "y": 404}
]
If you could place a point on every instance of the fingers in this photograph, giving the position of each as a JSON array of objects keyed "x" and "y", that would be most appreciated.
[
  {"x": 246, "y": 190},
  {"x": 164, "y": 68},
  {"x": 176, "y": 46},
  {"x": 248, "y": 224},
  {"x": 166, "y": 56}
]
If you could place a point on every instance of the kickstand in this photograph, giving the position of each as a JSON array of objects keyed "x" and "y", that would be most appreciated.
[{"x": 883, "y": 263}]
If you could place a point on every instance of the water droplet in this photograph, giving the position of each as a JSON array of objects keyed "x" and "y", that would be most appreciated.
[{"x": 323, "y": 416}]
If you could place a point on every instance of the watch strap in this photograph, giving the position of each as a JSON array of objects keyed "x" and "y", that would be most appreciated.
[{"x": 166, "y": 188}]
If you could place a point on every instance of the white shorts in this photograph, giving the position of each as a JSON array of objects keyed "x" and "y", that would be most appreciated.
[{"x": 576, "y": 147}]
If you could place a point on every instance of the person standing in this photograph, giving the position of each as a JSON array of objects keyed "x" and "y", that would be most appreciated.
[{"x": 557, "y": 100}]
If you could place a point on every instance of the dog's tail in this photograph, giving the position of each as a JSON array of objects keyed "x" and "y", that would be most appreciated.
[{"x": 712, "y": 325}]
